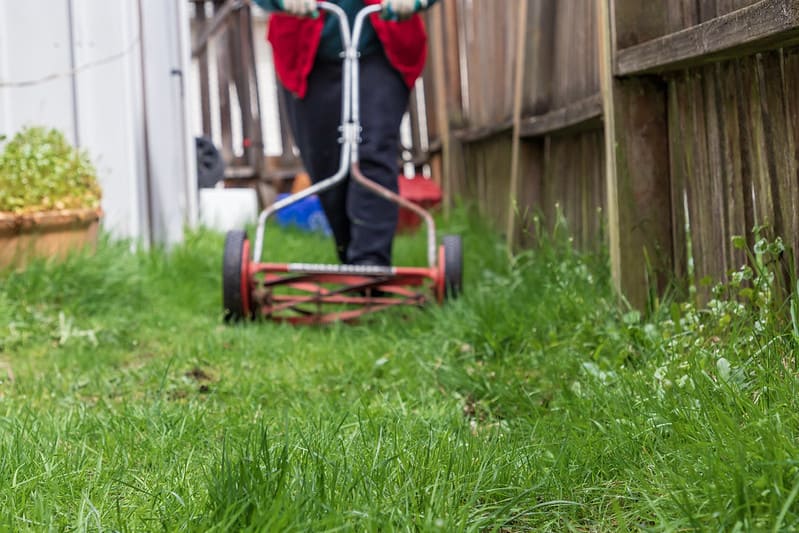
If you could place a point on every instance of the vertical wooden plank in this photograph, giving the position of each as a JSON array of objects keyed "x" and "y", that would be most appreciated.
[
  {"x": 699, "y": 186},
  {"x": 707, "y": 10},
  {"x": 478, "y": 100},
  {"x": 486, "y": 44},
  {"x": 778, "y": 139},
  {"x": 514, "y": 32},
  {"x": 448, "y": 27},
  {"x": 592, "y": 55},
  {"x": 530, "y": 200},
  {"x": 679, "y": 169},
  {"x": 681, "y": 14},
  {"x": 553, "y": 183},
  {"x": 637, "y": 21},
  {"x": 287, "y": 156},
  {"x": 500, "y": 167},
  {"x": 470, "y": 178},
  {"x": 484, "y": 188},
  {"x": 236, "y": 42},
  {"x": 440, "y": 90},
  {"x": 597, "y": 199},
  {"x": 539, "y": 54},
  {"x": 584, "y": 193},
  {"x": 547, "y": 184},
  {"x": 791, "y": 84},
  {"x": 761, "y": 182},
  {"x": 642, "y": 188},
  {"x": 223, "y": 73},
  {"x": 716, "y": 156},
  {"x": 600, "y": 190},
  {"x": 414, "y": 119},
  {"x": 250, "y": 78},
  {"x": 563, "y": 23},
  {"x": 748, "y": 158},
  {"x": 569, "y": 191},
  {"x": 202, "y": 61},
  {"x": 779, "y": 150},
  {"x": 515, "y": 170},
  {"x": 463, "y": 61},
  {"x": 728, "y": 98},
  {"x": 691, "y": 144},
  {"x": 456, "y": 99},
  {"x": 638, "y": 168},
  {"x": 569, "y": 151}
]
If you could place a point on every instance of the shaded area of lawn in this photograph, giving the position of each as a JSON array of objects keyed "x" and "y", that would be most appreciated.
[{"x": 534, "y": 402}]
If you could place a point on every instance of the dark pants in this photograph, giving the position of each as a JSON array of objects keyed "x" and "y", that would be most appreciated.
[{"x": 363, "y": 223}]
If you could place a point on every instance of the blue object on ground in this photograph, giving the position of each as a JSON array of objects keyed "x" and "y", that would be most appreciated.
[{"x": 306, "y": 215}]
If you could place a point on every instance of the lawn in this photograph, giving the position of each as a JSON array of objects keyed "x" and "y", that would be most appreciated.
[{"x": 535, "y": 402}]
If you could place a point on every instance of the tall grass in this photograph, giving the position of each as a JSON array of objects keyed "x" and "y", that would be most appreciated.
[{"x": 535, "y": 402}]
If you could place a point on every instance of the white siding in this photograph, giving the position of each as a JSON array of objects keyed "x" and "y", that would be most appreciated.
[{"x": 77, "y": 65}]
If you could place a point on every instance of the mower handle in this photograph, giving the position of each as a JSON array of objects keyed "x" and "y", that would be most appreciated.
[
  {"x": 349, "y": 37},
  {"x": 350, "y": 129}
]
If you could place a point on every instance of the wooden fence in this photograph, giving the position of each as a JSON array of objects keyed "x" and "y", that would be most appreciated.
[
  {"x": 657, "y": 128},
  {"x": 654, "y": 127},
  {"x": 524, "y": 108}
]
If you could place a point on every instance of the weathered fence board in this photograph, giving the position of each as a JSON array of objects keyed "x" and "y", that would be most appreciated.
[
  {"x": 756, "y": 27},
  {"x": 700, "y": 115},
  {"x": 560, "y": 97},
  {"x": 572, "y": 191},
  {"x": 733, "y": 155}
]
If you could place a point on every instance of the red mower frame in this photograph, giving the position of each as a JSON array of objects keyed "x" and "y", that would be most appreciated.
[{"x": 301, "y": 293}]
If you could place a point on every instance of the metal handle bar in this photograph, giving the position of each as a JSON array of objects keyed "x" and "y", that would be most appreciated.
[{"x": 346, "y": 147}]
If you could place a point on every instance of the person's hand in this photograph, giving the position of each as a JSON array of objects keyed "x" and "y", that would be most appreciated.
[
  {"x": 402, "y": 9},
  {"x": 300, "y": 8}
]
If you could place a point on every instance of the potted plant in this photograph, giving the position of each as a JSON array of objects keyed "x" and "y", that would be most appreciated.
[{"x": 49, "y": 197}]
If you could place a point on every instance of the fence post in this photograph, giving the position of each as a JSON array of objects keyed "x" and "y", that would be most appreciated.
[{"x": 637, "y": 158}]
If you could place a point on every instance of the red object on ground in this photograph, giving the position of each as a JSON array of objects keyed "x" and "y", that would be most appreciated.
[{"x": 423, "y": 192}]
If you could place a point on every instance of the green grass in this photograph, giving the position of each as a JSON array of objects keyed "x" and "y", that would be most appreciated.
[{"x": 533, "y": 403}]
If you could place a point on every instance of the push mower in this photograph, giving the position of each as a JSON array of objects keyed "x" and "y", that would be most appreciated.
[{"x": 302, "y": 293}]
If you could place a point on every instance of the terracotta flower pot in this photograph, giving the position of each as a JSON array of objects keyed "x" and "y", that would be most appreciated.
[{"x": 50, "y": 234}]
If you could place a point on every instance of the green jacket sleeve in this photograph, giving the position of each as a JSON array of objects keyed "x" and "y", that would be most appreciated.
[{"x": 269, "y": 5}]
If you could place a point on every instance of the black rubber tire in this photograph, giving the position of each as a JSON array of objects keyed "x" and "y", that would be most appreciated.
[
  {"x": 232, "y": 300},
  {"x": 210, "y": 165},
  {"x": 453, "y": 266}
]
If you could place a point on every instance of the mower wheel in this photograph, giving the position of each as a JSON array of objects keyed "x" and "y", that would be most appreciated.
[
  {"x": 453, "y": 266},
  {"x": 235, "y": 285}
]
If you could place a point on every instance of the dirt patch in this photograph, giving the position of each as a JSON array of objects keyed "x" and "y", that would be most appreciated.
[
  {"x": 469, "y": 407},
  {"x": 178, "y": 394},
  {"x": 198, "y": 374}
]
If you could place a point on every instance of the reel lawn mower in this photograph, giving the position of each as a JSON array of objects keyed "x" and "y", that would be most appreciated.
[{"x": 301, "y": 293}]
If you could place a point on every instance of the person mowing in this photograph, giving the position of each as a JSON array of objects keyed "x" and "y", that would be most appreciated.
[{"x": 306, "y": 44}]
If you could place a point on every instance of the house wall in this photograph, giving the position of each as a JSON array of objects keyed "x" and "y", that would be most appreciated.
[{"x": 109, "y": 75}]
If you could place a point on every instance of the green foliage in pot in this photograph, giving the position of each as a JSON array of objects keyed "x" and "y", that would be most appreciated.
[{"x": 41, "y": 171}]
